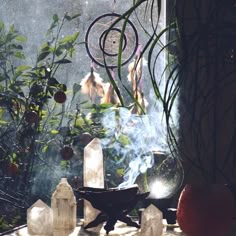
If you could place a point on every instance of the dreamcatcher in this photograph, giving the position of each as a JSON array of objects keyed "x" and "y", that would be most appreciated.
[{"x": 103, "y": 40}]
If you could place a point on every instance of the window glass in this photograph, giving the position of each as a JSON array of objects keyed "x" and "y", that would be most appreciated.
[{"x": 33, "y": 19}]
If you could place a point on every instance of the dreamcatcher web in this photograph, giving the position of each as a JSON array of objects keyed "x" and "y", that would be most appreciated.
[{"x": 103, "y": 40}]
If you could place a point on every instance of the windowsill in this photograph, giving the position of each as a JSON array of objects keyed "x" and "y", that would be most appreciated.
[{"x": 120, "y": 229}]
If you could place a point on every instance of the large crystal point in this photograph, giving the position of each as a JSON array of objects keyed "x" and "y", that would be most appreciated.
[
  {"x": 39, "y": 219},
  {"x": 151, "y": 224},
  {"x": 64, "y": 206},
  {"x": 93, "y": 175}
]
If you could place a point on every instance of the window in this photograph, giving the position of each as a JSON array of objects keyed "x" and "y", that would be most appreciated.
[{"x": 39, "y": 128}]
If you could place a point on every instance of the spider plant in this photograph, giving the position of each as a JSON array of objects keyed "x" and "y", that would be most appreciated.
[
  {"x": 199, "y": 76},
  {"x": 205, "y": 84}
]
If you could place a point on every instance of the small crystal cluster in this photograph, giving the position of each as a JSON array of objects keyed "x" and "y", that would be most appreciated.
[
  {"x": 151, "y": 224},
  {"x": 39, "y": 219}
]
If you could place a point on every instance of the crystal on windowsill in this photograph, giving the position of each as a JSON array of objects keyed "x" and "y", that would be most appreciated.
[
  {"x": 151, "y": 223},
  {"x": 39, "y": 219},
  {"x": 63, "y": 204},
  {"x": 93, "y": 175}
]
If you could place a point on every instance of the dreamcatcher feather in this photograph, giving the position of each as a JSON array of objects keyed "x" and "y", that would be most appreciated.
[
  {"x": 141, "y": 108},
  {"x": 92, "y": 85},
  {"x": 134, "y": 76},
  {"x": 110, "y": 96}
]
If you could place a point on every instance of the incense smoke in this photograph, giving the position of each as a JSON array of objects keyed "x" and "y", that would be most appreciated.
[{"x": 143, "y": 135}]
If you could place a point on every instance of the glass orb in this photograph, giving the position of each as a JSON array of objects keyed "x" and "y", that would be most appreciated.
[{"x": 164, "y": 178}]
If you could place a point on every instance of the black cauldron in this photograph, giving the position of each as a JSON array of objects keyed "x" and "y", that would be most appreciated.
[{"x": 114, "y": 204}]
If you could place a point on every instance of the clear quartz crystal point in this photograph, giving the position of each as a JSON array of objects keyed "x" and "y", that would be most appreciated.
[
  {"x": 63, "y": 204},
  {"x": 93, "y": 174},
  {"x": 151, "y": 223},
  {"x": 39, "y": 219}
]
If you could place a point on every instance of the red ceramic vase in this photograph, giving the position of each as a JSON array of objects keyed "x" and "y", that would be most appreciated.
[{"x": 205, "y": 210}]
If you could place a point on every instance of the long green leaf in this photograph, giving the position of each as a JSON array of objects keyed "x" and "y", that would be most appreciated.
[{"x": 43, "y": 55}]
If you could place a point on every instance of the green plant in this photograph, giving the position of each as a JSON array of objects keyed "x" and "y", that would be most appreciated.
[
  {"x": 43, "y": 126},
  {"x": 203, "y": 80},
  {"x": 3, "y": 224},
  {"x": 198, "y": 76},
  {"x": 10, "y": 220},
  {"x": 35, "y": 122}
]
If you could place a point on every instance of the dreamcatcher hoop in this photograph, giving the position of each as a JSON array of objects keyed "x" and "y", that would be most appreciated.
[{"x": 102, "y": 41}]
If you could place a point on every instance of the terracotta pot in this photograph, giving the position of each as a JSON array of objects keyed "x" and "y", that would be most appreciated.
[{"x": 205, "y": 210}]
